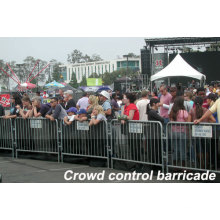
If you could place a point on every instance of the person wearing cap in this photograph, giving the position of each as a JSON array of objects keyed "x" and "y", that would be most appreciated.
[
  {"x": 142, "y": 105},
  {"x": 39, "y": 109},
  {"x": 81, "y": 115},
  {"x": 104, "y": 98},
  {"x": 68, "y": 96},
  {"x": 71, "y": 116},
  {"x": 56, "y": 111},
  {"x": 83, "y": 102}
]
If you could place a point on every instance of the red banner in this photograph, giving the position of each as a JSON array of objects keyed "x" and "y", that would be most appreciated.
[{"x": 5, "y": 100}]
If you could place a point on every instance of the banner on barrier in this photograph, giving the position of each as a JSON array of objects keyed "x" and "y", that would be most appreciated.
[
  {"x": 83, "y": 126},
  {"x": 5, "y": 100},
  {"x": 135, "y": 128},
  {"x": 202, "y": 131}
]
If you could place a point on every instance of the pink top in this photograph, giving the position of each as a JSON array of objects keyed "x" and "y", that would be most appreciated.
[
  {"x": 165, "y": 100},
  {"x": 181, "y": 117}
]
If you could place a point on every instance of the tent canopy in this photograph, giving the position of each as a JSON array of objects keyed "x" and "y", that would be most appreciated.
[{"x": 178, "y": 67}]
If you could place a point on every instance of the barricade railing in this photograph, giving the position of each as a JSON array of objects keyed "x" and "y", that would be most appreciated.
[
  {"x": 137, "y": 141},
  {"x": 6, "y": 135},
  {"x": 193, "y": 147},
  {"x": 36, "y": 135},
  {"x": 80, "y": 139}
]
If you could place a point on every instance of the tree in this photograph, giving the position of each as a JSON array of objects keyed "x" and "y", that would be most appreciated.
[
  {"x": 75, "y": 56},
  {"x": 94, "y": 75},
  {"x": 83, "y": 82},
  {"x": 73, "y": 81},
  {"x": 56, "y": 73},
  {"x": 78, "y": 57}
]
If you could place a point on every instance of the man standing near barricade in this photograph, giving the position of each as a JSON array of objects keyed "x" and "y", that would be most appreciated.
[
  {"x": 39, "y": 109},
  {"x": 142, "y": 105},
  {"x": 2, "y": 111},
  {"x": 164, "y": 99},
  {"x": 56, "y": 111},
  {"x": 104, "y": 98},
  {"x": 68, "y": 95},
  {"x": 83, "y": 102}
]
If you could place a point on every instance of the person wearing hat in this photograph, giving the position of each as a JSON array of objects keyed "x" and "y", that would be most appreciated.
[
  {"x": 81, "y": 115},
  {"x": 68, "y": 96},
  {"x": 71, "y": 116},
  {"x": 104, "y": 98}
]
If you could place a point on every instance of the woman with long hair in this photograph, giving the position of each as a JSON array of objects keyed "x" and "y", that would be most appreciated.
[
  {"x": 93, "y": 101},
  {"x": 15, "y": 101},
  {"x": 178, "y": 135},
  {"x": 199, "y": 144},
  {"x": 97, "y": 115}
]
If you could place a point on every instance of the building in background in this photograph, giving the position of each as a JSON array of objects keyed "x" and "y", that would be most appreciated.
[{"x": 99, "y": 67}]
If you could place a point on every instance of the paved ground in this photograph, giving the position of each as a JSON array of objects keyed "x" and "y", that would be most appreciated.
[{"x": 25, "y": 170}]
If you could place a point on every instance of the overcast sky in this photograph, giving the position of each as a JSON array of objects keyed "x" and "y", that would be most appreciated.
[{"x": 17, "y": 49}]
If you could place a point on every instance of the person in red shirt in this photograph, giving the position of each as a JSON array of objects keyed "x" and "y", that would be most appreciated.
[{"x": 130, "y": 109}]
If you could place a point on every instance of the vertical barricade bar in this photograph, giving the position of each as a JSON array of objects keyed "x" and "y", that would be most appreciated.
[
  {"x": 6, "y": 135},
  {"x": 36, "y": 135},
  {"x": 194, "y": 147},
  {"x": 81, "y": 140},
  {"x": 139, "y": 142}
]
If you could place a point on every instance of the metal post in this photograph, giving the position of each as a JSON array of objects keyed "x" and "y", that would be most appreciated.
[{"x": 127, "y": 74}]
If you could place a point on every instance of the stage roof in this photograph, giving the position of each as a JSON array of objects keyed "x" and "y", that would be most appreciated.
[{"x": 175, "y": 41}]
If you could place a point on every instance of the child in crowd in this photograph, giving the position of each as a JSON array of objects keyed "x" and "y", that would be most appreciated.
[{"x": 71, "y": 116}]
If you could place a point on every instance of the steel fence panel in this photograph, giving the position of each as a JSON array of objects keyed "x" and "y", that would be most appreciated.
[
  {"x": 36, "y": 135},
  {"x": 138, "y": 141},
  {"x": 6, "y": 135},
  {"x": 193, "y": 147},
  {"x": 80, "y": 139}
]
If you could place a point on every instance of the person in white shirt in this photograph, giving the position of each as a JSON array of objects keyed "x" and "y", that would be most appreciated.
[
  {"x": 142, "y": 105},
  {"x": 71, "y": 116}
]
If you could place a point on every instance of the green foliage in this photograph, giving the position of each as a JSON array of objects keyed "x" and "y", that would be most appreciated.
[
  {"x": 73, "y": 81},
  {"x": 94, "y": 75},
  {"x": 109, "y": 78},
  {"x": 83, "y": 82},
  {"x": 76, "y": 56},
  {"x": 56, "y": 73}
]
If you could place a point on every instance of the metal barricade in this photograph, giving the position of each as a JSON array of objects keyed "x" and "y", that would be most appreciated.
[
  {"x": 6, "y": 135},
  {"x": 80, "y": 139},
  {"x": 138, "y": 141},
  {"x": 36, "y": 135},
  {"x": 193, "y": 147}
]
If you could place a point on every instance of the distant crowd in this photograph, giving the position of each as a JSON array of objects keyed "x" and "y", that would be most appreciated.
[{"x": 164, "y": 104}]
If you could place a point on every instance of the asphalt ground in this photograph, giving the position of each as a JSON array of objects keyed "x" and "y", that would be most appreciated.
[{"x": 36, "y": 169}]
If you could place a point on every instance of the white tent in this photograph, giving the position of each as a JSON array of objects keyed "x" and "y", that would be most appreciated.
[{"x": 178, "y": 67}]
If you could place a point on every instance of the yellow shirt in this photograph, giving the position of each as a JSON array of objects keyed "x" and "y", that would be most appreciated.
[{"x": 216, "y": 108}]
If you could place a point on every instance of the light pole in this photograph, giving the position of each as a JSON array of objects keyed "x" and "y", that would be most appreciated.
[{"x": 126, "y": 81}]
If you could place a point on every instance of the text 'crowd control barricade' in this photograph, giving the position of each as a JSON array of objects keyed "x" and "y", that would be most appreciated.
[
  {"x": 6, "y": 135},
  {"x": 138, "y": 141},
  {"x": 36, "y": 135},
  {"x": 193, "y": 147},
  {"x": 80, "y": 139}
]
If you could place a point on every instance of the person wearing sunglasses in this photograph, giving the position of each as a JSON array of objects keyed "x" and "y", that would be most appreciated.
[{"x": 56, "y": 111}]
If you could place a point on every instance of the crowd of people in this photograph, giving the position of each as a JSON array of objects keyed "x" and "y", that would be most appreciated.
[{"x": 164, "y": 105}]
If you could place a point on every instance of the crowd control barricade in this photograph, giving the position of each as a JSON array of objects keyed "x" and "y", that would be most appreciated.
[
  {"x": 36, "y": 135},
  {"x": 6, "y": 135},
  {"x": 193, "y": 147},
  {"x": 80, "y": 139},
  {"x": 138, "y": 141}
]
